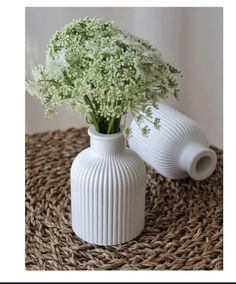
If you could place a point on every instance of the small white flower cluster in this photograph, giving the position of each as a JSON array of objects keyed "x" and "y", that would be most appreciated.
[{"x": 103, "y": 72}]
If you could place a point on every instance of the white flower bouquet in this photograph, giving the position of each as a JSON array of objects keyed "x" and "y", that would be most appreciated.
[{"x": 103, "y": 72}]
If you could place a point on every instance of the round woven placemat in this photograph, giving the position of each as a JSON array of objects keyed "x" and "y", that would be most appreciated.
[{"x": 183, "y": 225}]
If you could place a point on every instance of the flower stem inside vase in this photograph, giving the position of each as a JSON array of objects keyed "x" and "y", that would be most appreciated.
[
  {"x": 101, "y": 124},
  {"x": 114, "y": 126}
]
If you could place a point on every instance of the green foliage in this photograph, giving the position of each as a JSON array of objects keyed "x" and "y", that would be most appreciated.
[{"x": 103, "y": 72}]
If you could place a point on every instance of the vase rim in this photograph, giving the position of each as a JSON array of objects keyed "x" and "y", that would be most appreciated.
[{"x": 101, "y": 136}]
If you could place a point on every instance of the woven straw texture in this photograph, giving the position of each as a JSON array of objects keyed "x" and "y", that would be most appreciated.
[{"x": 183, "y": 225}]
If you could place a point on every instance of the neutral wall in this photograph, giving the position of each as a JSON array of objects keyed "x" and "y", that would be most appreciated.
[
  {"x": 190, "y": 38},
  {"x": 202, "y": 59}
]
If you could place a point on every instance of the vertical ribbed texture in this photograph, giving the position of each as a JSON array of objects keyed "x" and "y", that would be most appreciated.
[
  {"x": 108, "y": 196},
  {"x": 162, "y": 148}
]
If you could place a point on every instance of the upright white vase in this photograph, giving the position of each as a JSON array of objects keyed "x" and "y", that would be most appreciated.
[
  {"x": 178, "y": 150},
  {"x": 107, "y": 191}
]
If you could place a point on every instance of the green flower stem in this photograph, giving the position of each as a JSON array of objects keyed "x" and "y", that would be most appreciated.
[
  {"x": 92, "y": 113},
  {"x": 144, "y": 116},
  {"x": 114, "y": 125},
  {"x": 111, "y": 126}
]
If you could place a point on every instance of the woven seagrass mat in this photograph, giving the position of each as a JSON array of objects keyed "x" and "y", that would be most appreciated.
[{"x": 183, "y": 225}]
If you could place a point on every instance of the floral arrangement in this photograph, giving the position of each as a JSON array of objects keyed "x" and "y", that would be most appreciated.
[{"x": 103, "y": 72}]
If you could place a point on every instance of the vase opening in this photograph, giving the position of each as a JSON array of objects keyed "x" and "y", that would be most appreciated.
[
  {"x": 198, "y": 161},
  {"x": 203, "y": 164}
]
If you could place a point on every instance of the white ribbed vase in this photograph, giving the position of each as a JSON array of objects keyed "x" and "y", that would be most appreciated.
[
  {"x": 178, "y": 150},
  {"x": 107, "y": 191}
]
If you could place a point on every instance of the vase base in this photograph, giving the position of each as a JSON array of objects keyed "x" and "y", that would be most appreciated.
[{"x": 109, "y": 243}]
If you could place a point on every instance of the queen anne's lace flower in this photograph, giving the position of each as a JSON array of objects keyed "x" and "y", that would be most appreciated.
[{"x": 103, "y": 72}]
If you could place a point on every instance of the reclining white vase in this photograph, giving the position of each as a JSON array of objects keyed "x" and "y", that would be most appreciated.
[{"x": 178, "y": 149}]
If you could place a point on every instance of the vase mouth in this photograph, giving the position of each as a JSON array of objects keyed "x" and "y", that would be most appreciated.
[
  {"x": 203, "y": 164},
  {"x": 101, "y": 136}
]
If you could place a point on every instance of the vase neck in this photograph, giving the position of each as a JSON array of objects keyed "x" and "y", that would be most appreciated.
[
  {"x": 198, "y": 161},
  {"x": 106, "y": 143}
]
